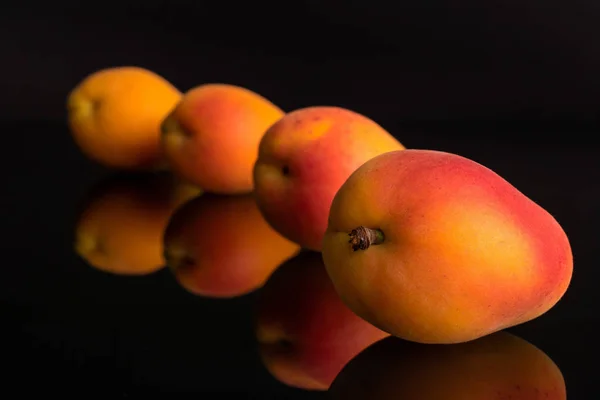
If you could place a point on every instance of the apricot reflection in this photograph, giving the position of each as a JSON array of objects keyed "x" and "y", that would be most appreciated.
[
  {"x": 120, "y": 228},
  {"x": 499, "y": 366},
  {"x": 221, "y": 246},
  {"x": 305, "y": 333}
]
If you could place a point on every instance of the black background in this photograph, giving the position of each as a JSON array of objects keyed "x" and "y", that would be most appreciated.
[{"x": 511, "y": 84}]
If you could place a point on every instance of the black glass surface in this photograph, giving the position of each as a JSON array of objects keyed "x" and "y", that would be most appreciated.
[{"x": 513, "y": 88}]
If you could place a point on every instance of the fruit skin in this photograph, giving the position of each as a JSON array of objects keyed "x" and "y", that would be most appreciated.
[
  {"x": 114, "y": 115},
  {"x": 498, "y": 366},
  {"x": 220, "y": 246},
  {"x": 305, "y": 333},
  {"x": 303, "y": 160},
  {"x": 465, "y": 253},
  {"x": 121, "y": 223},
  {"x": 211, "y": 138}
]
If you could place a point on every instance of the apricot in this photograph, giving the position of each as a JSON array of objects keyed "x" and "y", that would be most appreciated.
[
  {"x": 114, "y": 115},
  {"x": 303, "y": 160},
  {"x": 435, "y": 248},
  {"x": 498, "y": 366},
  {"x": 211, "y": 138},
  {"x": 121, "y": 225},
  {"x": 221, "y": 246},
  {"x": 305, "y": 333}
]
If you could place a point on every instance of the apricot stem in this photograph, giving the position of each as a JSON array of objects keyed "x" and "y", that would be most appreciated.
[{"x": 362, "y": 238}]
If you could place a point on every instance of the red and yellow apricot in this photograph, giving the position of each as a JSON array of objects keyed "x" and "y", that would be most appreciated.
[
  {"x": 211, "y": 137},
  {"x": 435, "y": 248},
  {"x": 303, "y": 160}
]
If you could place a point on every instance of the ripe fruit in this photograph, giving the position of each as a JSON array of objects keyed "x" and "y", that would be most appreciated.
[
  {"x": 303, "y": 160},
  {"x": 498, "y": 366},
  {"x": 306, "y": 334},
  {"x": 121, "y": 227},
  {"x": 114, "y": 115},
  {"x": 220, "y": 246},
  {"x": 442, "y": 249},
  {"x": 211, "y": 138}
]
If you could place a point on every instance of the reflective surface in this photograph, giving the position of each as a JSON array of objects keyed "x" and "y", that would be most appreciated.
[
  {"x": 497, "y": 366},
  {"x": 89, "y": 307}
]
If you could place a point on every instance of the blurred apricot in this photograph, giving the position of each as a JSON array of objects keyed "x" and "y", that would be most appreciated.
[
  {"x": 221, "y": 246},
  {"x": 115, "y": 114},
  {"x": 121, "y": 225},
  {"x": 211, "y": 138},
  {"x": 305, "y": 332}
]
